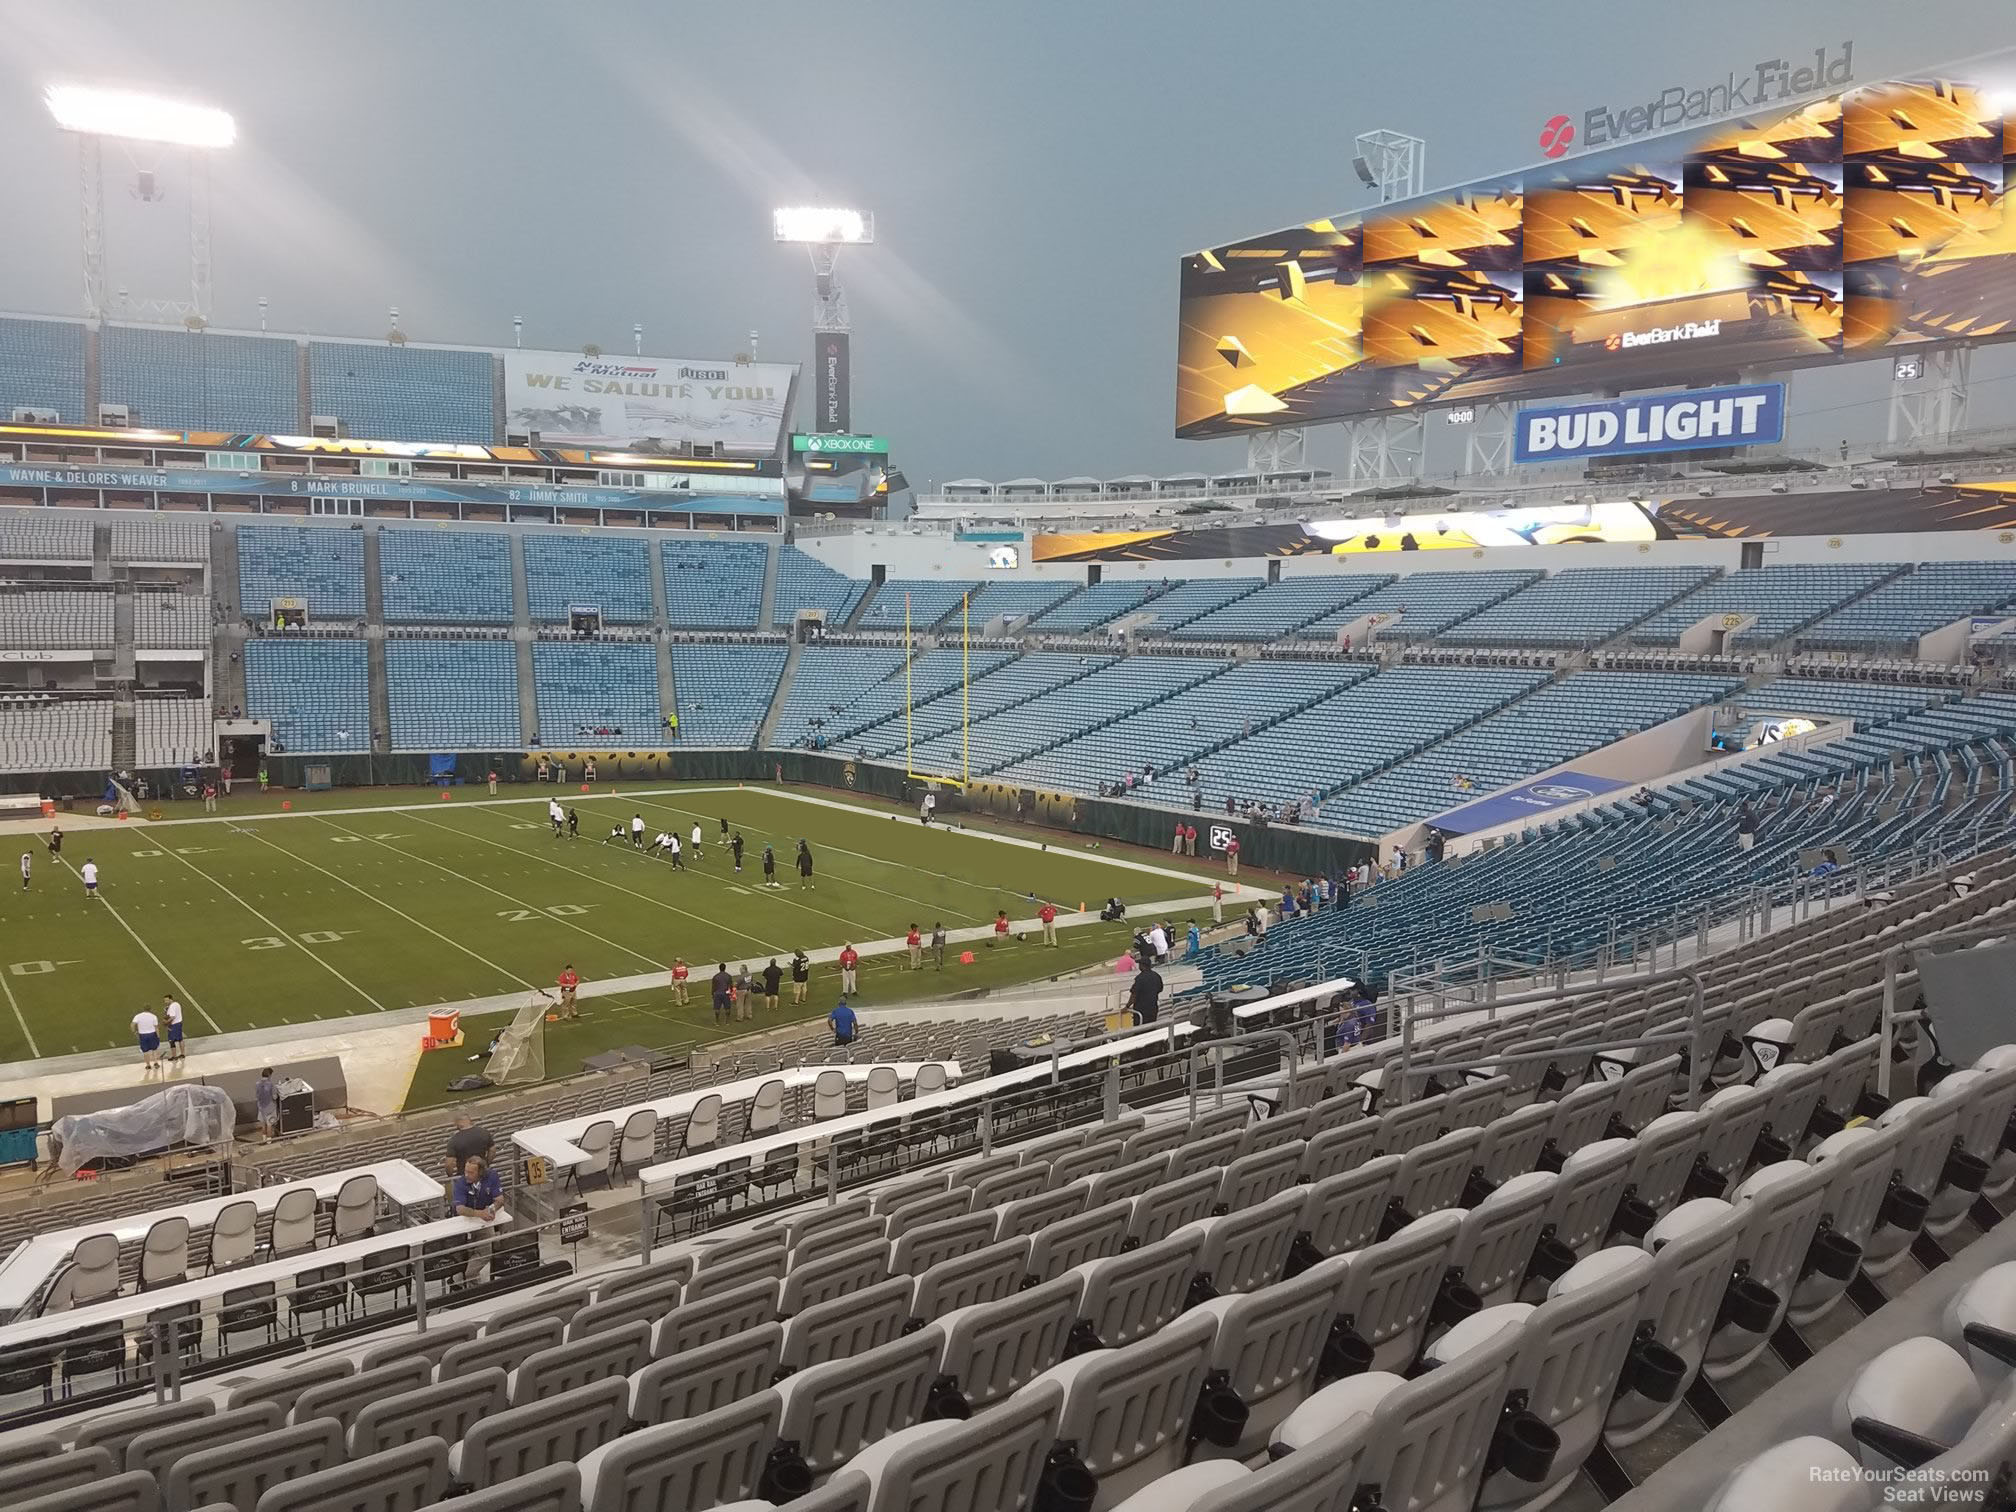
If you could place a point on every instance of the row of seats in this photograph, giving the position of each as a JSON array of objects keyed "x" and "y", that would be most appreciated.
[
  {"x": 67, "y": 735},
  {"x": 724, "y": 691},
  {"x": 1424, "y": 604},
  {"x": 1930, "y": 597},
  {"x": 450, "y": 695},
  {"x": 806, "y": 583},
  {"x": 1280, "y": 608},
  {"x": 317, "y": 693},
  {"x": 714, "y": 585},
  {"x": 1784, "y": 599},
  {"x": 179, "y": 621},
  {"x": 1580, "y": 606},
  {"x": 444, "y": 577},
  {"x": 918, "y": 603},
  {"x": 172, "y": 732},
  {"x": 56, "y": 619}
]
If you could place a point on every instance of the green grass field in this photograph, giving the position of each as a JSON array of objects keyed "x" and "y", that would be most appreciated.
[{"x": 257, "y": 919}]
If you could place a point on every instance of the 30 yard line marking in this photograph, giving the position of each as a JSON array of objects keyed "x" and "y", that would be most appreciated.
[
  {"x": 314, "y": 956},
  {"x": 520, "y": 902},
  {"x": 26, "y": 1033},
  {"x": 854, "y": 925},
  {"x": 604, "y": 882},
  {"x": 503, "y": 971},
  {"x": 187, "y": 996}
]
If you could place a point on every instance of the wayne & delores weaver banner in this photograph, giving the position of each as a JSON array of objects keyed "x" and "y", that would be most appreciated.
[{"x": 626, "y": 401}]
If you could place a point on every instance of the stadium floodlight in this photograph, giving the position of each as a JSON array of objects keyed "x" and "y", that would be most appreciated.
[
  {"x": 821, "y": 226},
  {"x": 135, "y": 117}
]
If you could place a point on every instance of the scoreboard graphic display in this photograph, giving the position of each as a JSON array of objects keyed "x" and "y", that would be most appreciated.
[{"x": 1824, "y": 232}]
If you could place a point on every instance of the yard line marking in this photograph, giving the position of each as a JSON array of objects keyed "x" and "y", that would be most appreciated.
[
  {"x": 26, "y": 1032},
  {"x": 924, "y": 903},
  {"x": 177, "y": 985},
  {"x": 314, "y": 956},
  {"x": 855, "y": 925},
  {"x": 444, "y": 939},
  {"x": 498, "y": 892},
  {"x": 605, "y": 882}
]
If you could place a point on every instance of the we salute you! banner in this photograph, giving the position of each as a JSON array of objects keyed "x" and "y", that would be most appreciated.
[{"x": 622, "y": 401}]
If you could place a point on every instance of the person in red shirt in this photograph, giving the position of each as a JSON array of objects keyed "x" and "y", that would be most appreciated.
[
  {"x": 1176, "y": 847},
  {"x": 849, "y": 959},
  {"x": 569, "y": 980},
  {"x": 1189, "y": 839},
  {"x": 1048, "y": 914},
  {"x": 915, "y": 940},
  {"x": 1000, "y": 925},
  {"x": 1232, "y": 857},
  {"x": 680, "y": 971}
]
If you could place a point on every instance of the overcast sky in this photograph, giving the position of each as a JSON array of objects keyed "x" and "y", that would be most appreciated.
[{"x": 1036, "y": 169}]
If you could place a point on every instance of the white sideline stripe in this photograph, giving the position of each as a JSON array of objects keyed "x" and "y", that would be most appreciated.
[
  {"x": 19, "y": 1018},
  {"x": 402, "y": 808},
  {"x": 502, "y": 971},
  {"x": 499, "y": 893},
  {"x": 119, "y": 919},
  {"x": 531, "y": 852}
]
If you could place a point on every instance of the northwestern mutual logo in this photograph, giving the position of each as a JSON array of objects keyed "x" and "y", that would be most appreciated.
[{"x": 1770, "y": 81}]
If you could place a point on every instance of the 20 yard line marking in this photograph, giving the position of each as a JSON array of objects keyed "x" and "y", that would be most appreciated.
[
  {"x": 444, "y": 939},
  {"x": 187, "y": 995},
  {"x": 26, "y": 1032},
  {"x": 312, "y": 955},
  {"x": 459, "y": 876}
]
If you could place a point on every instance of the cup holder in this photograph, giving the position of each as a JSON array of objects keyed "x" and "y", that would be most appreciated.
[
  {"x": 1750, "y": 1305},
  {"x": 1066, "y": 1485},
  {"x": 1965, "y": 1172},
  {"x": 1769, "y": 1149},
  {"x": 1527, "y": 1447},
  {"x": 1903, "y": 1208},
  {"x": 1221, "y": 1417},
  {"x": 1704, "y": 1181},
  {"x": 1824, "y": 1123},
  {"x": 1345, "y": 1353},
  {"x": 786, "y": 1476},
  {"x": 946, "y": 1403},
  {"x": 1833, "y": 1255},
  {"x": 1301, "y": 1255},
  {"x": 1654, "y": 1372},
  {"x": 1454, "y": 1302},
  {"x": 1551, "y": 1261},
  {"x": 1634, "y": 1219}
]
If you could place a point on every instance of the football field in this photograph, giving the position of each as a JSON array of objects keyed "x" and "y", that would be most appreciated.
[{"x": 359, "y": 903}]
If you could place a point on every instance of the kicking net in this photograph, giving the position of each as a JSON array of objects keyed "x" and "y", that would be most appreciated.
[{"x": 520, "y": 1052}]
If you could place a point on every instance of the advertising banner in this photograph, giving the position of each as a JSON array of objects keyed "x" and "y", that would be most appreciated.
[
  {"x": 1531, "y": 800},
  {"x": 1739, "y": 415},
  {"x": 631, "y": 402},
  {"x": 833, "y": 383}
]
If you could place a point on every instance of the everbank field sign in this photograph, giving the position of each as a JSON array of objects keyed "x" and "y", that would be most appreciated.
[
  {"x": 1767, "y": 82},
  {"x": 573, "y": 399}
]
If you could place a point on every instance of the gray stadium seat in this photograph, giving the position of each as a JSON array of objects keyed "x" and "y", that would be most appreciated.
[
  {"x": 562, "y": 1367},
  {"x": 986, "y": 1274},
  {"x": 402, "y": 1479},
  {"x": 130, "y": 1492},
  {"x": 696, "y": 1462},
  {"x": 24, "y": 1451},
  {"x": 860, "y": 1320},
  {"x": 1062, "y": 1245},
  {"x": 153, "y": 1450},
  {"x": 694, "y": 1323},
  {"x": 341, "y": 1401},
  {"x": 1267, "y": 1347},
  {"x": 1318, "y": 1478},
  {"x": 834, "y": 1411},
  {"x": 635, "y": 1304},
  {"x": 283, "y": 1387},
  {"x": 1390, "y": 1288},
  {"x": 1131, "y": 1295},
  {"x": 846, "y": 1492},
  {"x": 1782, "y": 1205},
  {"x": 992, "y": 1463},
  {"x": 1247, "y": 1249},
  {"x": 1694, "y": 1260},
  {"x": 548, "y": 1432},
  {"x": 996, "y": 1348},
  {"x": 115, "y": 1430},
  {"x": 443, "y": 1410},
  {"x": 557, "y": 1488},
  {"x": 1495, "y": 1246},
  {"x": 1028, "y": 1216},
  {"x": 1127, "y": 1412},
  {"x": 439, "y": 1338},
  {"x": 241, "y": 1472},
  {"x": 1177, "y": 1201},
  {"x": 60, "y": 1472},
  {"x": 921, "y": 1246},
  {"x": 506, "y": 1349},
  {"x": 834, "y": 1274},
  {"x": 1260, "y": 1174},
  {"x": 707, "y": 1376},
  {"x": 1342, "y": 1211}
]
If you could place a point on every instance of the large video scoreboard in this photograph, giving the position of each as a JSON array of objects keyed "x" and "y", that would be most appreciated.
[{"x": 1837, "y": 230}]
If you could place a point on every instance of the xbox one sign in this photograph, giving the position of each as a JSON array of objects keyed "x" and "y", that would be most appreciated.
[{"x": 839, "y": 443}]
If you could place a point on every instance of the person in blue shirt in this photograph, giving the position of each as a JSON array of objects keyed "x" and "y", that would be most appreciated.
[
  {"x": 1193, "y": 941},
  {"x": 1287, "y": 902},
  {"x": 478, "y": 1191},
  {"x": 842, "y": 1020}
]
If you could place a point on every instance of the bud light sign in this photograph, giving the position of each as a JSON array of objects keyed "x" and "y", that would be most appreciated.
[{"x": 1743, "y": 415}]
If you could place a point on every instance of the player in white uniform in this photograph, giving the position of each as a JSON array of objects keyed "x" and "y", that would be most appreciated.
[
  {"x": 90, "y": 878},
  {"x": 26, "y": 866},
  {"x": 556, "y": 815},
  {"x": 637, "y": 830},
  {"x": 696, "y": 839}
]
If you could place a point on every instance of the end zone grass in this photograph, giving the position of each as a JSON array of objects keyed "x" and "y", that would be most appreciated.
[{"x": 363, "y": 902}]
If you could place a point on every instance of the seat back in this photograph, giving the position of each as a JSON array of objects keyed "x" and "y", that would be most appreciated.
[
  {"x": 443, "y": 1410},
  {"x": 1122, "y": 1405},
  {"x": 920, "y": 1248},
  {"x": 835, "y": 1238},
  {"x": 557, "y": 1488},
  {"x": 736, "y": 1262},
  {"x": 94, "y": 1269},
  {"x": 836, "y": 1410},
  {"x": 356, "y": 1207},
  {"x": 1260, "y": 1174},
  {"x": 23, "y": 1479},
  {"x": 1158, "y": 1213},
  {"x": 1319, "y": 1477},
  {"x": 1429, "y": 1439},
  {"x": 1432, "y": 1175},
  {"x": 1131, "y": 1295},
  {"x": 393, "y": 1480},
  {"x": 636, "y": 1304},
  {"x": 986, "y": 1274},
  {"x": 131, "y": 1492},
  {"x": 935, "y": 1207},
  {"x": 995, "y": 1348},
  {"x": 164, "y": 1254},
  {"x": 1575, "y": 1345},
  {"x": 692, "y": 1324},
  {"x": 430, "y": 1346},
  {"x": 1269, "y": 1341},
  {"x": 1069, "y": 1242},
  {"x": 340, "y": 1401},
  {"x": 1495, "y": 1245},
  {"x": 1341, "y": 1149},
  {"x": 293, "y": 1227},
  {"x": 1390, "y": 1288},
  {"x": 1102, "y": 1155},
  {"x": 1025, "y": 1216},
  {"x": 507, "y": 1349},
  {"x": 542, "y": 1433},
  {"x": 234, "y": 1234},
  {"x": 834, "y": 1275},
  {"x": 698, "y": 1380},
  {"x": 558, "y": 1306},
  {"x": 766, "y": 1109},
  {"x": 1411, "y": 1125},
  {"x": 1341, "y": 1212},
  {"x": 1130, "y": 1180},
  {"x": 1248, "y": 1249},
  {"x": 240, "y": 1472},
  {"x": 1158, "y": 1140},
  {"x": 862, "y": 1319},
  {"x": 596, "y": 1357},
  {"x": 1212, "y": 1154},
  {"x": 703, "y": 1125},
  {"x": 707, "y": 1461},
  {"x": 1585, "y": 1198},
  {"x": 991, "y": 1463},
  {"x": 1513, "y": 1141},
  {"x": 1664, "y": 1157},
  {"x": 113, "y": 1431},
  {"x": 655, "y": 1274},
  {"x": 282, "y": 1389},
  {"x": 639, "y": 1143},
  {"x": 1691, "y": 1269}
]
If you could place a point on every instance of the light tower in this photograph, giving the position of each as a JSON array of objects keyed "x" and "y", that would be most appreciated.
[
  {"x": 1388, "y": 447},
  {"x": 97, "y": 115},
  {"x": 822, "y": 232}
]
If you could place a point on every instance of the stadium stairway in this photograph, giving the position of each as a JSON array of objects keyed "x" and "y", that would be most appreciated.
[
  {"x": 766, "y": 734},
  {"x": 766, "y": 615}
]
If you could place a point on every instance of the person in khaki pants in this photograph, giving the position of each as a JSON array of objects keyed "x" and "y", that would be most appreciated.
[
  {"x": 915, "y": 941},
  {"x": 1048, "y": 915},
  {"x": 1232, "y": 857}
]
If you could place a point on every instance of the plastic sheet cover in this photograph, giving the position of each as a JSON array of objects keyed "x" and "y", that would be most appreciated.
[{"x": 174, "y": 1116}]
